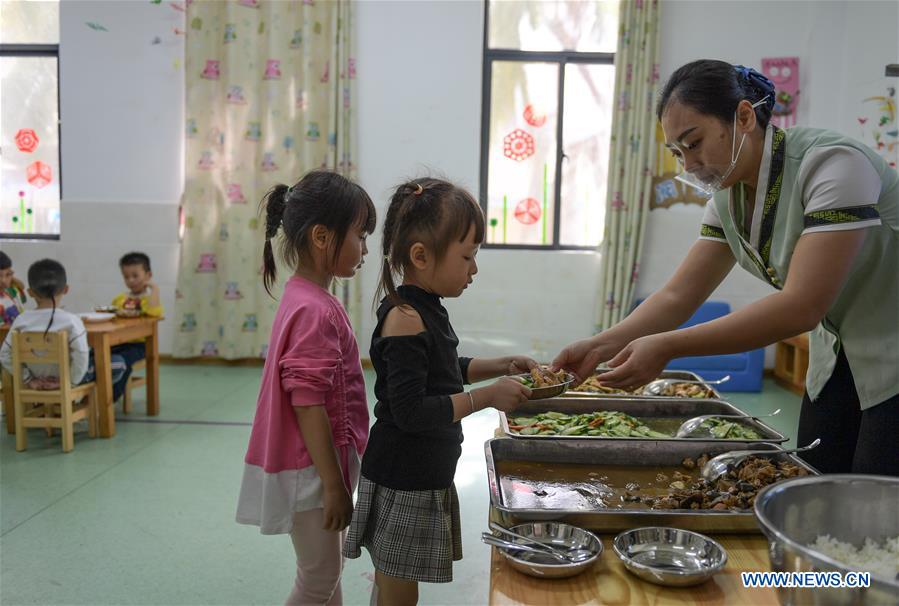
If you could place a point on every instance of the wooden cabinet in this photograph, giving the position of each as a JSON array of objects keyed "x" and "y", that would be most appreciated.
[{"x": 791, "y": 363}]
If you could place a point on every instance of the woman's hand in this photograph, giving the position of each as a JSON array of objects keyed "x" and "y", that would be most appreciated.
[
  {"x": 519, "y": 365},
  {"x": 640, "y": 362},
  {"x": 582, "y": 357}
]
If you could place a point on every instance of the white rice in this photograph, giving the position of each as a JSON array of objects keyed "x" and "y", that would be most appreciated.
[{"x": 880, "y": 560}]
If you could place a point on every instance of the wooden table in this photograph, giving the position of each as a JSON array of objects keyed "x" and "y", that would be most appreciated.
[
  {"x": 609, "y": 583},
  {"x": 102, "y": 336}
]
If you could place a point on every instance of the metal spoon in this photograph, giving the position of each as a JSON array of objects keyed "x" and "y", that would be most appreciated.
[
  {"x": 573, "y": 558},
  {"x": 562, "y": 550},
  {"x": 691, "y": 425},
  {"x": 655, "y": 388},
  {"x": 717, "y": 466}
]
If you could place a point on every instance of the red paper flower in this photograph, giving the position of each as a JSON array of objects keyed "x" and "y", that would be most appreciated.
[
  {"x": 518, "y": 145},
  {"x": 528, "y": 211},
  {"x": 39, "y": 174},
  {"x": 534, "y": 117},
  {"x": 26, "y": 140}
]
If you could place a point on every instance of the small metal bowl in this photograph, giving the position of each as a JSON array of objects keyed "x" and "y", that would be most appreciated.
[
  {"x": 669, "y": 556},
  {"x": 557, "y": 534},
  {"x": 541, "y": 393}
]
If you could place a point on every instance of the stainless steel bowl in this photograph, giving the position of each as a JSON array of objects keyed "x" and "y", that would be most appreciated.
[
  {"x": 541, "y": 393},
  {"x": 669, "y": 556},
  {"x": 559, "y": 535},
  {"x": 849, "y": 508}
]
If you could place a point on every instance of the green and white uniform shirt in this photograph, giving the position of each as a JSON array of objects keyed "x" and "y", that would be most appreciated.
[{"x": 810, "y": 181}]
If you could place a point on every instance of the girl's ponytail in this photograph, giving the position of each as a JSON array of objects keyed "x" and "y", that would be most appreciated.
[{"x": 273, "y": 203}]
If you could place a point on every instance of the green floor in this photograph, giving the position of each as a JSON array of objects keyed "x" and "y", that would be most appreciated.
[{"x": 148, "y": 516}]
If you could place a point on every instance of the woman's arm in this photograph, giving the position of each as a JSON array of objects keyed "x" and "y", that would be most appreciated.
[
  {"x": 702, "y": 270},
  {"x": 819, "y": 268}
]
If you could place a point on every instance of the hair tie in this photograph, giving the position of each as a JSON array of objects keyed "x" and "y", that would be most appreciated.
[
  {"x": 418, "y": 190},
  {"x": 759, "y": 82}
]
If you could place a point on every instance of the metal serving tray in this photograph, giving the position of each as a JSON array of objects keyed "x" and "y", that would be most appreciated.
[
  {"x": 683, "y": 375},
  {"x": 611, "y": 453},
  {"x": 641, "y": 408}
]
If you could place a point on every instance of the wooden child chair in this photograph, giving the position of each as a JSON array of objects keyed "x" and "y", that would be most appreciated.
[
  {"x": 134, "y": 382},
  {"x": 50, "y": 409}
]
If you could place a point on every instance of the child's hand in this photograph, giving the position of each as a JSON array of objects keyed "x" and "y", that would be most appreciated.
[
  {"x": 151, "y": 285},
  {"x": 338, "y": 507},
  {"x": 20, "y": 286},
  {"x": 506, "y": 394},
  {"x": 520, "y": 365}
]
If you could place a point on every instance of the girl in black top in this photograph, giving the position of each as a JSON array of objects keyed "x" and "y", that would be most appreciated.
[{"x": 407, "y": 513}]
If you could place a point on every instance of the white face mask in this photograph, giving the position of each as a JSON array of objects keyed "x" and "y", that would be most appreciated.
[{"x": 710, "y": 179}]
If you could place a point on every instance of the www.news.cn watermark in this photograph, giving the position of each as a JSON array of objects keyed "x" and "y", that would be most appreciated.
[{"x": 791, "y": 580}]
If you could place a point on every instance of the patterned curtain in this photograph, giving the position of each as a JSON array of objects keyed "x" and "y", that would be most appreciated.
[
  {"x": 632, "y": 152},
  {"x": 270, "y": 93}
]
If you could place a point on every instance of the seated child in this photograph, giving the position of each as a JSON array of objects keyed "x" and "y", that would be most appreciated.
[
  {"x": 12, "y": 291},
  {"x": 47, "y": 286},
  {"x": 141, "y": 299}
]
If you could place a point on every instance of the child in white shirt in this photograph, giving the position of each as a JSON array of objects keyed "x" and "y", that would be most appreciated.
[{"x": 47, "y": 286}]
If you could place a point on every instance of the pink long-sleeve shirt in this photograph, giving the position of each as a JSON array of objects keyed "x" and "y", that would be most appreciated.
[{"x": 313, "y": 359}]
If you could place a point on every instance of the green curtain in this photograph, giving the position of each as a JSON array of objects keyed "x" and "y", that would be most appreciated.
[
  {"x": 270, "y": 95},
  {"x": 632, "y": 152}
]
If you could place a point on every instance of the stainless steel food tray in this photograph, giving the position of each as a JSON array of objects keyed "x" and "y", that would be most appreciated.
[
  {"x": 610, "y": 453},
  {"x": 683, "y": 375},
  {"x": 684, "y": 408}
]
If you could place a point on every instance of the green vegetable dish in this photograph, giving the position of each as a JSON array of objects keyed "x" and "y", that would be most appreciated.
[
  {"x": 612, "y": 424},
  {"x": 599, "y": 424}
]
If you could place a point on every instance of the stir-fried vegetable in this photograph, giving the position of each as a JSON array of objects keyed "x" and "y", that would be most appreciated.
[
  {"x": 728, "y": 430},
  {"x": 613, "y": 424},
  {"x": 608, "y": 424},
  {"x": 542, "y": 376},
  {"x": 675, "y": 390}
]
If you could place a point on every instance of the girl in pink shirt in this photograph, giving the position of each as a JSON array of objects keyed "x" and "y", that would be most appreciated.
[{"x": 311, "y": 423}]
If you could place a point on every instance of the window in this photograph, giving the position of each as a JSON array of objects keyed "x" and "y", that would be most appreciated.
[
  {"x": 549, "y": 79},
  {"x": 29, "y": 119}
]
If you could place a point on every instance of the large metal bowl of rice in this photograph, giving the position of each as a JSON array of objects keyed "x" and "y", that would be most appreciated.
[{"x": 833, "y": 524}]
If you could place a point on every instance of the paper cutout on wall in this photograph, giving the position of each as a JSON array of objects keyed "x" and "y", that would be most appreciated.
[
  {"x": 784, "y": 73},
  {"x": 528, "y": 211},
  {"x": 39, "y": 174},
  {"x": 518, "y": 145},
  {"x": 26, "y": 140},
  {"x": 96, "y": 26},
  {"x": 23, "y": 221},
  {"x": 879, "y": 127},
  {"x": 534, "y": 117}
]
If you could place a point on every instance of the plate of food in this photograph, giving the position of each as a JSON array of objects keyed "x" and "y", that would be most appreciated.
[
  {"x": 128, "y": 313},
  {"x": 688, "y": 389},
  {"x": 96, "y": 316},
  {"x": 545, "y": 383},
  {"x": 105, "y": 309}
]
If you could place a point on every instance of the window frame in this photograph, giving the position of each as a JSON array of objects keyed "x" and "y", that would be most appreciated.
[
  {"x": 41, "y": 50},
  {"x": 562, "y": 59}
]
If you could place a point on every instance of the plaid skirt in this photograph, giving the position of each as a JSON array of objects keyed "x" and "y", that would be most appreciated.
[{"x": 410, "y": 534}]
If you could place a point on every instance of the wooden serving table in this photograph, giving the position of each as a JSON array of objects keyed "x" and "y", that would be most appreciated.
[
  {"x": 608, "y": 582},
  {"x": 102, "y": 336}
]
